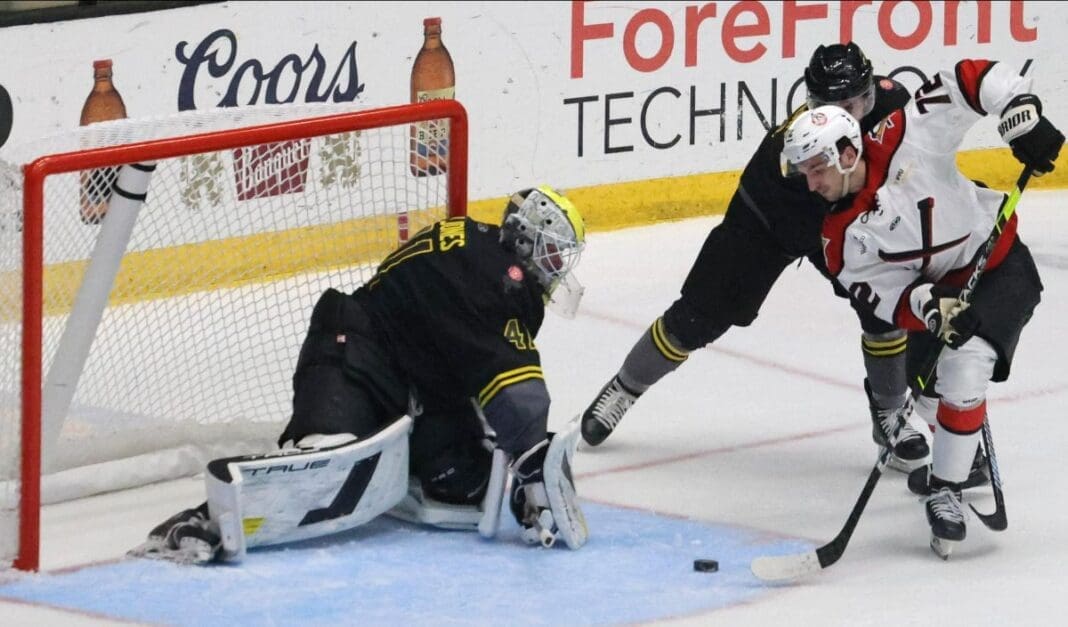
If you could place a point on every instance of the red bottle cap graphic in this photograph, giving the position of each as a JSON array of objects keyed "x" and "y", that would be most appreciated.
[
  {"x": 432, "y": 21},
  {"x": 101, "y": 64}
]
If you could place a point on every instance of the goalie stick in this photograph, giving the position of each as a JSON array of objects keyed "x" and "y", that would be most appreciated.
[{"x": 796, "y": 565}]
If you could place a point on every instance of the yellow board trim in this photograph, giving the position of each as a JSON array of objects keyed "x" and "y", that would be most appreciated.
[{"x": 267, "y": 257}]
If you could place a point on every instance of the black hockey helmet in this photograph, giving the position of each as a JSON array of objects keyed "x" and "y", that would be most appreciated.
[{"x": 838, "y": 72}]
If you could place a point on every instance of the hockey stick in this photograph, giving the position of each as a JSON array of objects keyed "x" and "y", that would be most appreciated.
[
  {"x": 793, "y": 566},
  {"x": 995, "y": 521}
]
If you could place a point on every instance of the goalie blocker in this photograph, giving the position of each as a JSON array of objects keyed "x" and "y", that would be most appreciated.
[{"x": 298, "y": 494}]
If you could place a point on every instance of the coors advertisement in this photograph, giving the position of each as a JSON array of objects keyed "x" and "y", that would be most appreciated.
[{"x": 269, "y": 169}]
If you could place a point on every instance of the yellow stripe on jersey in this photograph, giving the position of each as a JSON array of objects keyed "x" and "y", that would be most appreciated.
[
  {"x": 664, "y": 345},
  {"x": 506, "y": 378},
  {"x": 884, "y": 348}
]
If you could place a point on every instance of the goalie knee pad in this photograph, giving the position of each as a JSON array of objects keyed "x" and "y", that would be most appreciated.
[
  {"x": 457, "y": 475},
  {"x": 418, "y": 507}
]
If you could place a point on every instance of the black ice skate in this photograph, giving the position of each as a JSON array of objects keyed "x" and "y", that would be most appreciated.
[
  {"x": 946, "y": 517},
  {"x": 920, "y": 479},
  {"x": 911, "y": 450},
  {"x": 604, "y": 414}
]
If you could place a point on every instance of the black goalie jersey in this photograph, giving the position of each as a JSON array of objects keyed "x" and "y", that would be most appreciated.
[{"x": 457, "y": 312}]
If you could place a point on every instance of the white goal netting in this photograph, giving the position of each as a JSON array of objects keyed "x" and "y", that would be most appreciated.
[{"x": 200, "y": 327}]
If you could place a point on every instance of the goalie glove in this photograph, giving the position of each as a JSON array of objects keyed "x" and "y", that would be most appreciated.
[
  {"x": 543, "y": 499},
  {"x": 1035, "y": 142},
  {"x": 940, "y": 308},
  {"x": 529, "y": 501}
]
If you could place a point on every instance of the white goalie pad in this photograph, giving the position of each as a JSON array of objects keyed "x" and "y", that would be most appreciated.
[
  {"x": 418, "y": 508},
  {"x": 560, "y": 486},
  {"x": 291, "y": 495}
]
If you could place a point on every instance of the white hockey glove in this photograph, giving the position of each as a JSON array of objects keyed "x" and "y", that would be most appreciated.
[
  {"x": 940, "y": 308},
  {"x": 1035, "y": 142}
]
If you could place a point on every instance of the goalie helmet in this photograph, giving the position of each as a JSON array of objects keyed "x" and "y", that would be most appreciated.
[
  {"x": 545, "y": 230},
  {"x": 822, "y": 132},
  {"x": 838, "y": 74}
]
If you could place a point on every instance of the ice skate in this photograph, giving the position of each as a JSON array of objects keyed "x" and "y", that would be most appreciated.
[
  {"x": 946, "y": 517},
  {"x": 604, "y": 414},
  {"x": 911, "y": 450}
]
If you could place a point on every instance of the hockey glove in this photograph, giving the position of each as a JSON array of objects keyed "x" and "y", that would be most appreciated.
[
  {"x": 1035, "y": 142},
  {"x": 945, "y": 315},
  {"x": 529, "y": 501}
]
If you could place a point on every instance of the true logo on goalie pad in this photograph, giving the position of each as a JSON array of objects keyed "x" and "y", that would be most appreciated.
[
  {"x": 259, "y": 501},
  {"x": 321, "y": 463}
]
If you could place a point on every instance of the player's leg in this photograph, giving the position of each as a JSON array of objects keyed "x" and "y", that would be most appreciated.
[
  {"x": 926, "y": 407},
  {"x": 884, "y": 349},
  {"x": 887, "y": 389},
  {"x": 727, "y": 284},
  {"x": 963, "y": 375},
  {"x": 1002, "y": 304}
]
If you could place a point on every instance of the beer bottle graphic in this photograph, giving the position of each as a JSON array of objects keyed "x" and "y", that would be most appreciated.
[
  {"x": 433, "y": 78},
  {"x": 102, "y": 104}
]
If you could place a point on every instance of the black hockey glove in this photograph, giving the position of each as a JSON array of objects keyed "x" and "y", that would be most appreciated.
[
  {"x": 948, "y": 318},
  {"x": 1035, "y": 142}
]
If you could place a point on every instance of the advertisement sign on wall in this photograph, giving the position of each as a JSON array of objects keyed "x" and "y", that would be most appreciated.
[{"x": 577, "y": 93}]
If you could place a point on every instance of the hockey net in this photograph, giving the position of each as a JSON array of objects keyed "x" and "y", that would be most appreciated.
[{"x": 136, "y": 347}]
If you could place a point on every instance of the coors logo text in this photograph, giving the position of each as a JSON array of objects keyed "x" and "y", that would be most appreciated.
[{"x": 252, "y": 82}]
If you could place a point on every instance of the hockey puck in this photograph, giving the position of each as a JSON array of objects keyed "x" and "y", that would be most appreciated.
[{"x": 706, "y": 566}]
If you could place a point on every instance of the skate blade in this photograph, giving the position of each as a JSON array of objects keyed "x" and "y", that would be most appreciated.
[{"x": 943, "y": 548}]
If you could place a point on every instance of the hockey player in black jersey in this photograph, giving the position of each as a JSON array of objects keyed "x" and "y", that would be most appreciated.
[
  {"x": 415, "y": 365},
  {"x": 772, "y": 220}
]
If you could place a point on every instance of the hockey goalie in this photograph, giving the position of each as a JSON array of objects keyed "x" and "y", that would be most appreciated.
[{"x": 419, "y": 395}]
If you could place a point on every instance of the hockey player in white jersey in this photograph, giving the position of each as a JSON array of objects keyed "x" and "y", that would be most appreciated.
[{"x": 904, "y": 234}]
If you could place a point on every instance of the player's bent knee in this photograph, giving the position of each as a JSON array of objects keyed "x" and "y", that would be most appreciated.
[{"x": 692, "y": 329}]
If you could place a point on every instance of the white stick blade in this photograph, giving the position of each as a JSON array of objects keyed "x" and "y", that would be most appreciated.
[{"x": 785, "y": 567}]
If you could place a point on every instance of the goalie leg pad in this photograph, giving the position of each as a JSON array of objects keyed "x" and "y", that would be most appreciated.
[{"x": 292, "y": 495}]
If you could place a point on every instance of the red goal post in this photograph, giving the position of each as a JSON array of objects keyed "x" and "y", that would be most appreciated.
[{"x": 146, "y": 291}]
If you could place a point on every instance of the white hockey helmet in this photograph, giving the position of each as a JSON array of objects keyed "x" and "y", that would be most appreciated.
[
  {"x": 546, "y": 232},
  {"x": 821, "y": 132}
]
